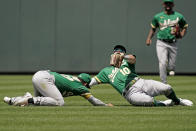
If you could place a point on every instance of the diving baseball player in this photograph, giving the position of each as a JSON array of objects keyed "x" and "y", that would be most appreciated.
[
  {"x": 171, "y": 27},
  {"x": 135, "y": 90},
  {"x": 51, "y": 87}
]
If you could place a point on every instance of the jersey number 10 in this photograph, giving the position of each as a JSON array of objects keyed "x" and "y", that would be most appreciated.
[{"x": 125, "y": 71}]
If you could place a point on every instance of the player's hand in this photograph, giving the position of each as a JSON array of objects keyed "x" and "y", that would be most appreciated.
[
  {"x": 148, "y": 42},
  {"x": 110, "y": 105}
]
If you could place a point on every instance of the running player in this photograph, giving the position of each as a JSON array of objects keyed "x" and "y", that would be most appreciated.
[{"x": 172, "y": 26}]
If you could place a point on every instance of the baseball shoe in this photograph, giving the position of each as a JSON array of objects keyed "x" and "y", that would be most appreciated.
[
  {"x": 168, "y": 102},
  {"x": 7, "y": 100},
  {"x": 12, "y": 100},
  {"x": 185, "y": 102},
  {"x": 23, "y": 101},
  {"x": 19, "y": 100},
  {"x": 171, "y": 73}
]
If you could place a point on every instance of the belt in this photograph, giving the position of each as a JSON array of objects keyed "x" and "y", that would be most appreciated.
[
  {"x": 168, "y": 40},
  {"x": 131, "y": 83}
]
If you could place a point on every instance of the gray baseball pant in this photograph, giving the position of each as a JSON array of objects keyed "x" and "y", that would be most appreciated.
[
  {"x": 46, "y": 92},
  {"x": 142, "y": 93},
  {"x": 166, "y": 53}
]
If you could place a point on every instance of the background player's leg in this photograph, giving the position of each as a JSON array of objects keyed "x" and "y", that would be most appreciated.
[
  {"x": 162, "y": 55},
  {"x": 172, "y": 57},
  {"x": 44, "y": 83}
]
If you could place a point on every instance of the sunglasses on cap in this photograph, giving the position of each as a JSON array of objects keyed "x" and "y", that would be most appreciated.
[{"x": 119, "y": 50}]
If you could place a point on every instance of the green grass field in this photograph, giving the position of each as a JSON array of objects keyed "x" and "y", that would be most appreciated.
[{"x": 79, "y": 115}]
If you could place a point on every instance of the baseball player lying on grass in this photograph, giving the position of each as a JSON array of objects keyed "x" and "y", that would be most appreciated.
[
  {"x": 137, "y": 91},
  {"x": 51, "y": 87}
]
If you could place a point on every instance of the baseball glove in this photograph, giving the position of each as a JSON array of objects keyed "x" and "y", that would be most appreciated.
[
  {"x": 116, "y": 59},
  {"x": 176, "y": 31}
]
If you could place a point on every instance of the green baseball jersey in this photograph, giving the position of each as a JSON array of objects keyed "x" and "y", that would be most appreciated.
[
  {"x": 166, "y": 22},
  {"x": 69, "y": 85},
  {"x": 119, "y": 78}
]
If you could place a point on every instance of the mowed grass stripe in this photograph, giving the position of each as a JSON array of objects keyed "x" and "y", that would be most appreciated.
[{"x": 79, "y": 115}]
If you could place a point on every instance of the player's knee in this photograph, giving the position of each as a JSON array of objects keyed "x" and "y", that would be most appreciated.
[
  {"x": 168, "y": 90},
  {"x": 60, "y": 102},
  {"x": 162, "y": 64}
]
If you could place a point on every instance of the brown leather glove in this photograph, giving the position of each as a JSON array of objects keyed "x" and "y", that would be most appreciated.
[
  {"x": 116, "y": 59},
  {"x": 176, "y": 31}
]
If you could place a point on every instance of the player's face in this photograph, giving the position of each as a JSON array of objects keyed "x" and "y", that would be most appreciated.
[
  {"x": 85, "y": 84},
  {"x": 120, "y": 51},
  {"x": 168, "y": 6}
]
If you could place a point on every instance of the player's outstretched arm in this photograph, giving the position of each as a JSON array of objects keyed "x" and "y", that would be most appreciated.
[
  {"x": 94, "y": 101},
  {"x": 130, "y": 58}
]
